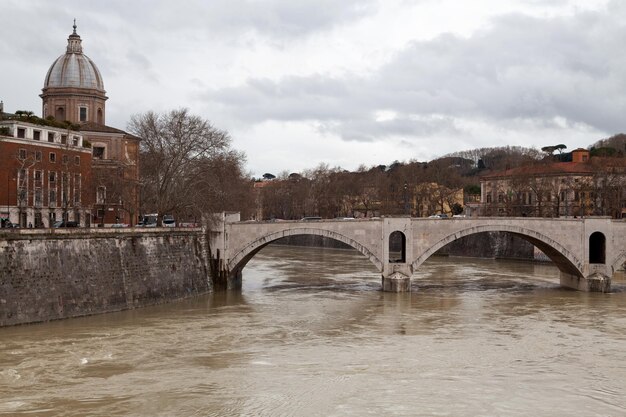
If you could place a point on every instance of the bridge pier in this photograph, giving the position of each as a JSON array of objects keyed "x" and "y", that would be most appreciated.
[
  {"x": 594, "y": 283},
  {"x": 397, "y": 279}
]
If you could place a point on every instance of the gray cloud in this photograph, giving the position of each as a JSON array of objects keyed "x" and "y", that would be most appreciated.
[
  {"x": 273, "y": 18},
  {"x": 521, "y": 67}
]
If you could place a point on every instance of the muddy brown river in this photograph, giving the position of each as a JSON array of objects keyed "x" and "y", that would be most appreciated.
[{"x": 311, "y": 334}]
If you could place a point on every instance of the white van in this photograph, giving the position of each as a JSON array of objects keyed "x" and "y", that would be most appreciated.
[{"x": 169, "y": 221}]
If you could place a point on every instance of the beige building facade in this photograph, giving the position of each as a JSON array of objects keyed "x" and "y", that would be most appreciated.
[{"x": 585, "y": 186}]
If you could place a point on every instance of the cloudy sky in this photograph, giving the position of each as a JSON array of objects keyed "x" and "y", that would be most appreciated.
[{"x": 343, "y": 82}]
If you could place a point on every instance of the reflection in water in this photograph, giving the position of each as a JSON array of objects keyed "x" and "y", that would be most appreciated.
[{"x": 312, "y": 334}]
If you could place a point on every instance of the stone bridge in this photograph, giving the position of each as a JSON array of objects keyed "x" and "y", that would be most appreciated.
[{"x": 586, "y": 251}]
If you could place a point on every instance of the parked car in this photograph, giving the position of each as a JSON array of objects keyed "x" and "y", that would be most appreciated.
[
  {"x": 148, "y": 220},
  {"x": 169, "y": 221},
  {"x": 63, "y": 223}
]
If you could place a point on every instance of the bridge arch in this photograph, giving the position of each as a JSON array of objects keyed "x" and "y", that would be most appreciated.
[
  {"x": 565, "y": 260},
  {"x": 243, "y": 256}
]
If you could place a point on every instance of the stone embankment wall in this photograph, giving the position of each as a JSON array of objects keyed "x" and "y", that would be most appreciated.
[
  {"x": 480, "y": 245},
  {"x": 48, "y": 275},
  {"x": 499, "y": 245}
]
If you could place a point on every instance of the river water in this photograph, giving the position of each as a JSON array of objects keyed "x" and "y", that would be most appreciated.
[{"x": 311, "y": 334}]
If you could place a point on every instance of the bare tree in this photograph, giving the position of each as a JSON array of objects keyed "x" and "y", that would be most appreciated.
[{"x": 187, "y": 164}]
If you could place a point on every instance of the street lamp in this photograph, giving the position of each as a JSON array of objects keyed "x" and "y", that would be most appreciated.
[
  {"x": 8, "y": 191},
  {"x": 406, "y": 199}
]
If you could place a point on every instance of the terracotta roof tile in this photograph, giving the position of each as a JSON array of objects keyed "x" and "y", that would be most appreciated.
[
  {"x": 560, "y": 168},
  {"x": 555, "y": 168}
]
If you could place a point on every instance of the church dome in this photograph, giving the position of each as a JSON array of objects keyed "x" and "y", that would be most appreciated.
[{"x": 74, "y": 69}]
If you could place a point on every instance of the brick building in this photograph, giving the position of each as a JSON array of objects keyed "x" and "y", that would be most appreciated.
[
  {"x": 46, "y": 173},
  {"x": 73, "y": 95}
]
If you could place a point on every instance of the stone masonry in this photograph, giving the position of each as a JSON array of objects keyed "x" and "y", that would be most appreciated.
[{"x": 47, "y": 276}]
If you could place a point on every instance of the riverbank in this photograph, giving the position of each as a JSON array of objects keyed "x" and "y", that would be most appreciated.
[{"x": 72, "y": 273}]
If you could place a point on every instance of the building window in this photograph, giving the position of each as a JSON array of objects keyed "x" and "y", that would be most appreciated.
[
  {"x": 65, "y": 159},
  {"x": 38, "y": 156},
  {"x": 488, "y": 198},
  {"x": 38, "y": 220},
  {"x": 98, "y": 152},
  {"x": 38, "y": 197},
  {"x": 82, "y": 114},
  {"x": 52, "y": 198},
  {"x": 22, "y": 195},
  {"x": 37, "y": 134},
  {"x": 52, "y": 177},
  {"x": 22, "y": 154},
  {"x": 65, "y": 185},
  {"x": 75, "y": 140},
  {"x": 64, "y": 139},
  {"x": 77, "y": 189},
  {"x": 53, "y": 157},
  {"x": 77, "y": 160},
  {"x": 21, "y": 132},
  {"x": 101, "y": 194},
  {"x": 38, "y": 176},
  {"x": 50, "y": 136}
]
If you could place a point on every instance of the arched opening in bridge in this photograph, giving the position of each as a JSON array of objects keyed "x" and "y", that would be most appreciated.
[
  {"x": 397, "y": 247},
  {"x": 597, "y": 248},
  {"x": 515, "y": 243},
  {"x": 304, "y": 261}
]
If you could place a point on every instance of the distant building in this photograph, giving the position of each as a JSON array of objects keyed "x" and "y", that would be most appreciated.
[
  {"x": 586, "y": 186},
  {"x": 432, "y": 198}
]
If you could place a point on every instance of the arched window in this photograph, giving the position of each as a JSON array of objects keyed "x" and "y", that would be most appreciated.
[
  {"x": 100, "y": 117},
  {"x": 397, "y": 247},
  {"x": 597, "y": 248}
]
